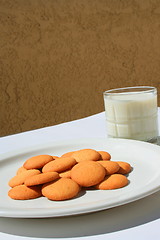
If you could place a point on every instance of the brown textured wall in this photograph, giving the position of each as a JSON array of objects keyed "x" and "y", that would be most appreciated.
[{"x": 58, "y": 56}]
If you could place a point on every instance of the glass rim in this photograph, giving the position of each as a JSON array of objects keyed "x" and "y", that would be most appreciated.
[{"x": 130, "y": 90}]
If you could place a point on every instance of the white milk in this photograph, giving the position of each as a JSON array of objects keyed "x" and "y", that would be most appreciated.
[{"x": 132, "y": 116}]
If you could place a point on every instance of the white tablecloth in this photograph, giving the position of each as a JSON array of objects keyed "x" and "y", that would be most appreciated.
[{"x": 136, "y": 220}]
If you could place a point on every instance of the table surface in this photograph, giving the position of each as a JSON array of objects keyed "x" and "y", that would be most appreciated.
[{"x": 136, "y": 220}]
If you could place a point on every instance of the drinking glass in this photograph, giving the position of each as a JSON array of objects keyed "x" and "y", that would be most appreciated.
[{"x": 132, "y": 113}]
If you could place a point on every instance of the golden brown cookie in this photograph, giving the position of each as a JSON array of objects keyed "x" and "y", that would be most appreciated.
[
  {"x": 113, "y": 181},
  {"x": 86, "y": 155},
  {"x": 20, "y": 178},
  {"x": 125, "y": 167},
  {"x": 68, "y": 154},
  {"x": 66, "y": 174},
  {"x": 54, "y": 157},
  {"x": 88, "y": 173},
  {"x": 37, "y": 162},
  {"x": 23, "y": 192},
  {"x": 61, "y": 189},
  {"x": 59, "y": 165},
  {"x": 20, "y": 170},
  {"x": 104, "y": 155},
  {"x": 41, "y": 178},
  {"x": 110, "y": 166}
]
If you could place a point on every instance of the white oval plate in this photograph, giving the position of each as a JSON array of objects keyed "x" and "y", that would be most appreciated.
[{"x": 143, "y": 180}]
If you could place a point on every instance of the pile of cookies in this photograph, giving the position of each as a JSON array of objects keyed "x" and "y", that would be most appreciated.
[{"x": 61, "y": 178}]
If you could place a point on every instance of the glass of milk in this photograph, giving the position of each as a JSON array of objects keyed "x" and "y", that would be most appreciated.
[{"x": 132, "y": 113}]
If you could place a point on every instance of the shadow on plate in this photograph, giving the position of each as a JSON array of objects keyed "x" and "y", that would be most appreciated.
[{"x": 107, "y": 221}]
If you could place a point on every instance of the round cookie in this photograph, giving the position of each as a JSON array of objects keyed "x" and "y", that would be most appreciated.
[
  {"x": 88, "y": 173},
  {"x": 104, "y": 155},
  {"x": 66, "y": 174},
  {"x": 20, "y": 178},
  {"x": 61, "y": 189},
  {"x": 41, "y": 178},
  {"x": 37, "y": 161},
  {"x": 20, "y": 170},
  {"x": 68, "y": 154},
  {"x": 23, "y": 192},
  {"x": 125, "y": 167},
  {"x": 59, "y": 165},
  {"x": 110, "y": 166},
  {"x": 86, "y": 155},
  {"x": 113, "y": 181}
]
